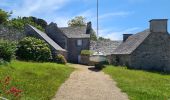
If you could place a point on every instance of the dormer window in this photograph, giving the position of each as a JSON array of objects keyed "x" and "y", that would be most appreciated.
[{"x": 79, "y": 42}]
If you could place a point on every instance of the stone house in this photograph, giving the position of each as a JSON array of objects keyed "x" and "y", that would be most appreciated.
[
  {"x": 149, "y": 49},
  {"x": 70, "y": 41}
]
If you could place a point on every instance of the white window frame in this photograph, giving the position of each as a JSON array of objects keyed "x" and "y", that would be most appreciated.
[{"x": 79, "y": 42}]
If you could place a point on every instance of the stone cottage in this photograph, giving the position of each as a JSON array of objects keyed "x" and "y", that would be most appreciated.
[
  {"x": 149, "y": 49},
  {"x": 70, "y": 40}
]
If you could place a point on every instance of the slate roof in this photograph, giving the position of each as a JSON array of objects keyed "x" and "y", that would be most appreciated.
[
  {"x": 75, "y": 32},
  {"x": 132, "y": 43},
  {"x": 47, "y": 39},
  {"x": 106, "y": 47}
]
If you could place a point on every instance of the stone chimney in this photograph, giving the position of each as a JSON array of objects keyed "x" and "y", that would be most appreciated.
[
  {"x": 89, "y": 28},
  {"x": 125, "y": 36},
  {"x": 158, "y": 25}
]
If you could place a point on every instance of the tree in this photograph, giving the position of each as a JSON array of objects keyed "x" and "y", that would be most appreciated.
[
  {"x": 20, "y": 22},
  {"x": 4, "y": 16},
  {"x": 38, "y": 21},
  {"x": 77, "y": 21},
  {"x": 103, "y": 39},
  {"x": 93, "y": 36}
]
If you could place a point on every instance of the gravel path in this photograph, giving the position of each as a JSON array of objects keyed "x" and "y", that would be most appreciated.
[{"x": 85, "y": 84}]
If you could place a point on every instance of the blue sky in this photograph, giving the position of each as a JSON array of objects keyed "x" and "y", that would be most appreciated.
[{"x": 116, "y": 17}]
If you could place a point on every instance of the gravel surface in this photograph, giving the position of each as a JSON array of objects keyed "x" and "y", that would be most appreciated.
[{"x": 85, "y": 84}]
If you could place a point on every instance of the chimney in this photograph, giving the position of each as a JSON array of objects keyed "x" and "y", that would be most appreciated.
[
  {"x": 158, "y": 25},
  {"x": 125, "y": 36},
  {"x": 89, "y": 28}
]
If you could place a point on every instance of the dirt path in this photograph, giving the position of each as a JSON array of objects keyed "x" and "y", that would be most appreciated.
[{"x": 85, "y": 84}]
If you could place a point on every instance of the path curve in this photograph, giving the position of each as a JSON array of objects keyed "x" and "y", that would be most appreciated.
[{"x": 85, "y": 84}]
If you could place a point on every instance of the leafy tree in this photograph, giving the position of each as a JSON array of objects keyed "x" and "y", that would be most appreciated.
[
  {"x": 4, "y": 16},
  {"x": 38, "y": 21},
  {"x": 20, "y": 22},
  {"x": 102, "y": 38},
  {"x": 77, "y": 21},
  {"x": 93, "y": 36}
]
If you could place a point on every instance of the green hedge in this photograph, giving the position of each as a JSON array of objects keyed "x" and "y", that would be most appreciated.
[
  {"x": 86, "y": 52},
  {"x": 33, "y": 49},
  {"x": 7, "y": 50}
]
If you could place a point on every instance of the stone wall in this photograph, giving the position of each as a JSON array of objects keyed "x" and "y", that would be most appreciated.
[
  {"x": 123, "y": 60},
  {"x": 153, "y": 53},
  {"x": 56, "y": 35},
  {"x": 11, "y": 34},
  {"x": 74, "y": 51}
]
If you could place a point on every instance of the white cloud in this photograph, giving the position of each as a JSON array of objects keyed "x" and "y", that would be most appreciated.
[
  {"x": 115, "y": 14},
  {"x": 117, "y": 35},
  {"x": 31, "y": 7}
]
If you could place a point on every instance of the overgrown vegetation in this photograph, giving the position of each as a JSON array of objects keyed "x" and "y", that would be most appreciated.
[
  {"x": 4, "y": 16},
  {"x": 38, "y": 81},
  {"x": 86, "y": 52},
  {"x": 60, "y": 59},
  {"x": 7, "y": 51},
  {"x": 141, "y": 85},
  {"x": 33, "y": 49},
  {"x": 20, "y": 22}
]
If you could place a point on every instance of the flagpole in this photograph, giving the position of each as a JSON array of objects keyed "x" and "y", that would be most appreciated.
[{"x": 97, "y": 18}]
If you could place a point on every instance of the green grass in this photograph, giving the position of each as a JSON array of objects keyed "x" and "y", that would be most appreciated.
[
  {"x": 141, "y": 85},
  {"x": 39, "y": 81}
]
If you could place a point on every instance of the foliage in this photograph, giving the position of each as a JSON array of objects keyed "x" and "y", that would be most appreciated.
[
  {"x": 20, "y": 22},
  {"x": 102, "y": 39},
  {"x": 7, "y": 50},
  {"x": 33, "y": 49},
  {"x": 6, "y": 90},
  {"x": 4, "y": 16},
  {"x": 38, "y": 81},
  {"x": 141, "y": 85},
  {"x": 77, "y": 21},
  {"x": 93, "y": 36},
  {"x": 37, "y": 21},
  {"x": 60, "y": 59},
  {"x": 86, "y": 52}
]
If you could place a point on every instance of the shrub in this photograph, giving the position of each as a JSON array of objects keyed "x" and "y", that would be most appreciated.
[
  {"x": 60, "y": 59},
  {"x": 86, "y": 52},
  {"x": 7, "y": 50},
  {"x": 33, "y": 49}
]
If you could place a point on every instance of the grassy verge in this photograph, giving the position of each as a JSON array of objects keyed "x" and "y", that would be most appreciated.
[
  {"x": 141, "y": 85},
  {"x": 39, "y": 81}
]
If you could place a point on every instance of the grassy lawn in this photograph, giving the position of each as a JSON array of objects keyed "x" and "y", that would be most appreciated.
[
  {"x": 39, "y": 81},
  {"x": 141, "y": 85}
]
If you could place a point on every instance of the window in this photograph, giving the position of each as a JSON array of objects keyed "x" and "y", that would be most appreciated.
[{"x": 79, "y": 42}]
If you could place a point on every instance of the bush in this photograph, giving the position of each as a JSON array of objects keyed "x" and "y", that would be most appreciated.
[
  {"x": 33, "y": 49},
  {"x": 60, "y": 59},
  {"x": 7, "y": 50},
  {"x": 86, "y": 52}
]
